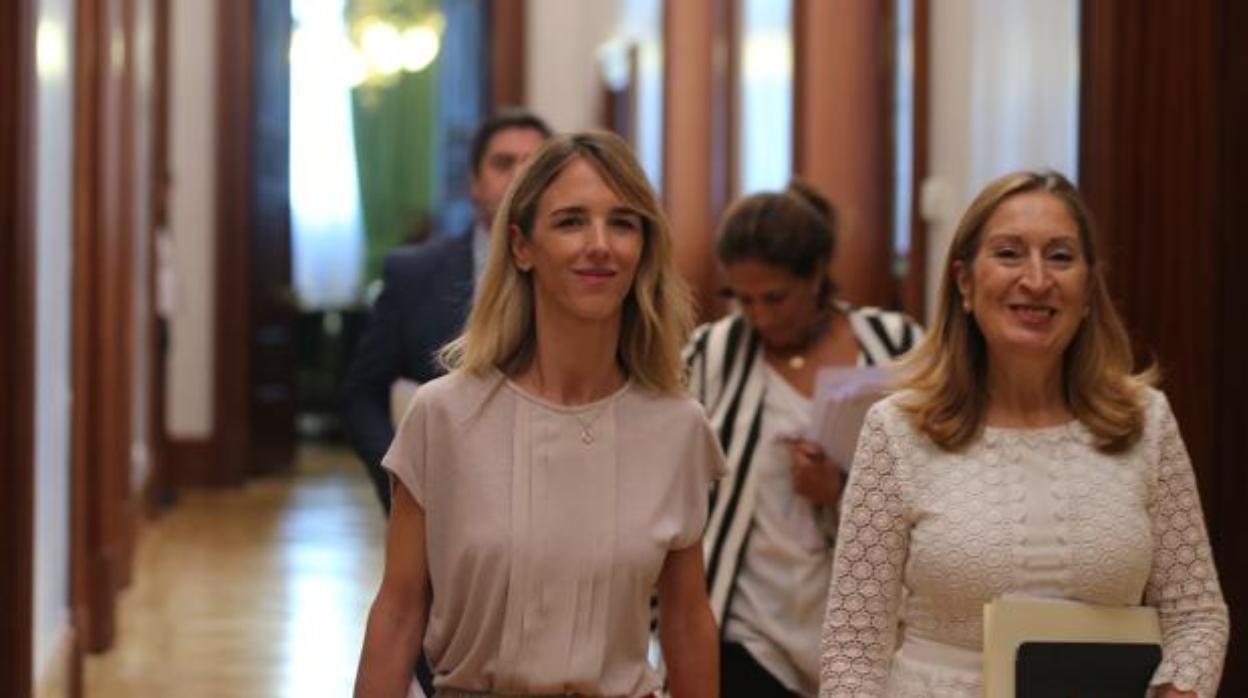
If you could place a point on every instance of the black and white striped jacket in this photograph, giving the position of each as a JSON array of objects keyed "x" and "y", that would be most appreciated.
[{"x": 726, "y": 375}]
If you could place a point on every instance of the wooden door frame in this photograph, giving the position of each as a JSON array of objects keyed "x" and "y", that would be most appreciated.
[
  {"x": 507, "y": 29},
  {"x": 160, "y": 483},
  {"x": 101, "y": 526},
  {"x": 698, "y": 142},
  {"x": 17, "y": 339},
  {"x": 1227, "y": 518},
  {"x": 232, "y": 319},
  {"x": 840, "y": 135},
  {"x": 1169, "y": 216},
  {"x": 912, "y": 288}
]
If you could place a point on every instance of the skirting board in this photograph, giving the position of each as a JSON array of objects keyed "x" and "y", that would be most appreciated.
[{"x": 56, "y": 676}]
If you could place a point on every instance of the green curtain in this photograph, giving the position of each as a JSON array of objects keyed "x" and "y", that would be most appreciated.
[{"x": 394, "y": 141}]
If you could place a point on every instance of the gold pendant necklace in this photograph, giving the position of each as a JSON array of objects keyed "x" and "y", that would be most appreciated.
[{"x": 797, "y": 361}]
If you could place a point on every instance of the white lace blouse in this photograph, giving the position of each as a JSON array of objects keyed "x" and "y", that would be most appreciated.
[{"x": 928, "y": 536}]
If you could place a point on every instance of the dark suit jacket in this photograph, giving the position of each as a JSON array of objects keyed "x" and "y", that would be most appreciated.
[{"x": 425, "y": 296}]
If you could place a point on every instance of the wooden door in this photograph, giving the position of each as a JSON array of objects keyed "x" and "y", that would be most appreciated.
[
  {"x": 103, "y": 332},
  {"x": 272, "y": 301},
  {"x": 17, "y": 337},
  {"x": 255, "y": 405},
  {"x": 1163, "y": 168}
]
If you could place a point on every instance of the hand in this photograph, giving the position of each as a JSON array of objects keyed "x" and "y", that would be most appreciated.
[
  {"x": 814, "y": 476},
  {"x": 1169, "y": 691}
]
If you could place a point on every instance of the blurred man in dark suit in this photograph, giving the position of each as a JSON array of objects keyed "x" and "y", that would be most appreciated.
[{"x": 426, "y": 292}]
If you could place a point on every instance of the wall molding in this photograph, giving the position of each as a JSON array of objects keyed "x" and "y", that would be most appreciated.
[
  {"x": 191, "y": 463},
  {"x": 56, "y": 679},
  {"x": 508, "y": 27},
  {"x": 232, "y": 265},
  {"x": 17, "y": 339}
]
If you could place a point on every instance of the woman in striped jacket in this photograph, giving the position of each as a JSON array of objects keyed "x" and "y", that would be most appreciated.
[{"x": 768, "y": 543}]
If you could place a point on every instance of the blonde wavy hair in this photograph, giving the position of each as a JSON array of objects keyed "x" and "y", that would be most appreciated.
[
  {"x": 947, "y": 374},
  {"x": 657, "y": 313}
]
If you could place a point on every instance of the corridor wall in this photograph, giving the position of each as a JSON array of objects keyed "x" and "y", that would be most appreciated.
[
  {"x": 562, "y": 44},
  {"x": 193, "y": 158},
  {"x": 1004, "y": 95},
  {"x": 54, "y": 209}
]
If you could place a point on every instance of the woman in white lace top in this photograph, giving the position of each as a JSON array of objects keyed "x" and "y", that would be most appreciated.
[{"x": 1022, "y": 456}]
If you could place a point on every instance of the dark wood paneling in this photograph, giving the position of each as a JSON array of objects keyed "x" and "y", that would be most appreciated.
[
  {"x": 17, "y": 336},
  {"x": 233, "y": 264},
  {"x": 508, "y": 79},
  {"x": 90, "y": 578},
  {"x": 726, "y": 91},
  {"x": 1227, "y": 480},
  {"x": 254, "y": 405},
  {"x": 841, "y": 117},
  {"x": 192, "y": 462},
  {"x": 697, "y": 143},
  {"x": 1162, "y": 166},
  {"x": 272, "y": 345},
  {"x": 102, "y": 527},
  {"x": 914, "y": 284},
  {"x": 123, "y": 270},
  {"x": 1147, "y": 171},
  {"x": 160, "y": 482}
]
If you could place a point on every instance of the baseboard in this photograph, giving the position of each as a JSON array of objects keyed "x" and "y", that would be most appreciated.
[
  {"x": 191, "y": 463},
  {"x": 58, "y": 676}
]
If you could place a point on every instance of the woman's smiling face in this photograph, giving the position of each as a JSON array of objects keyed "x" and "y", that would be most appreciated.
[
  {"x": 1027, "y": 286},
  {"x": 585, "y": 246}
]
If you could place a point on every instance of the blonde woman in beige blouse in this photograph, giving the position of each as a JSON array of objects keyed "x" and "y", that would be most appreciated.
[
  {"x": 557, "y": 475},
  {"x": 1023, "y": 456}
]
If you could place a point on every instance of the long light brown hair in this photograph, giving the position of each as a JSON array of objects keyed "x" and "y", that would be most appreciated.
[
  {"x": 657, "y": 313},
  {"x": 947, "y": 373}
]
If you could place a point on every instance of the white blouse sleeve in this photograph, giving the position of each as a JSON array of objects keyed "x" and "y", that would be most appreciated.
[
  {"x": 1183, "y": 585},
  {"x": 860, "y": 626}
]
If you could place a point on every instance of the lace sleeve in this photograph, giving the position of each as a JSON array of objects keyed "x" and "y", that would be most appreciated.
[
  {"x": 1183, "y": 585},
  {"x": 860, "y": 627}
]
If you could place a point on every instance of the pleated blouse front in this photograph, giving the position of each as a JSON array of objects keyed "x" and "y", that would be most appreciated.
[{"x": 546, "y": 529}]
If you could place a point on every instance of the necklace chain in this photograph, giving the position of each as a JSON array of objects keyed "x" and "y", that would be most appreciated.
[
  {"x": 587, "y": 425},
  {"x": 797, "y": 357}
]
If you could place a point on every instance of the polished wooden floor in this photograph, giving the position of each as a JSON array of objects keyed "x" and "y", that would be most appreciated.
[{"x": 255, "y": 592}]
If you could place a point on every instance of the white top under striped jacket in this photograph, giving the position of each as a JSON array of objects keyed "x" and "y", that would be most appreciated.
[{"x": 726, "y": 375}]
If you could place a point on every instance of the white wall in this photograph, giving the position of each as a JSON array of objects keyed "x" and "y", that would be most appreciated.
[
  {"x": 641, "y": 23},
  {"x": 1004, "y": 96},
  {"x": 562, "y": 70},
  {"x": 53, "y": 260},
  {"x": 192, "y": 146},
  {"x": 570, "y": 43}
]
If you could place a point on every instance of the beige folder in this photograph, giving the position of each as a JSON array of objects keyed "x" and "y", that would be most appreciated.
[{"x": 1012, "y": 620}]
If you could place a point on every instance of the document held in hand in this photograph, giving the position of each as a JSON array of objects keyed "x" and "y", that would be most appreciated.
[
  {"x": 843, "y": 394},
  {"x": 1037, "y": 647}
]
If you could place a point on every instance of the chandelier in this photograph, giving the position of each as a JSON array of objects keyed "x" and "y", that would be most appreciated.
[{"x": 378, "y": 42}]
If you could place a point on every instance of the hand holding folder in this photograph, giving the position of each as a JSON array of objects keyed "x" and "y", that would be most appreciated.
[{"x": 1053, "y": 648}]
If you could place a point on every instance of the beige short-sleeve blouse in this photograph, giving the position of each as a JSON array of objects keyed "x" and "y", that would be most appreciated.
[{"x": 546, "y": 529}]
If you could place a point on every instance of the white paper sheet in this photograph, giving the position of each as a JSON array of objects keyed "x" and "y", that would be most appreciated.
[{"x": 842, "y": 397}]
